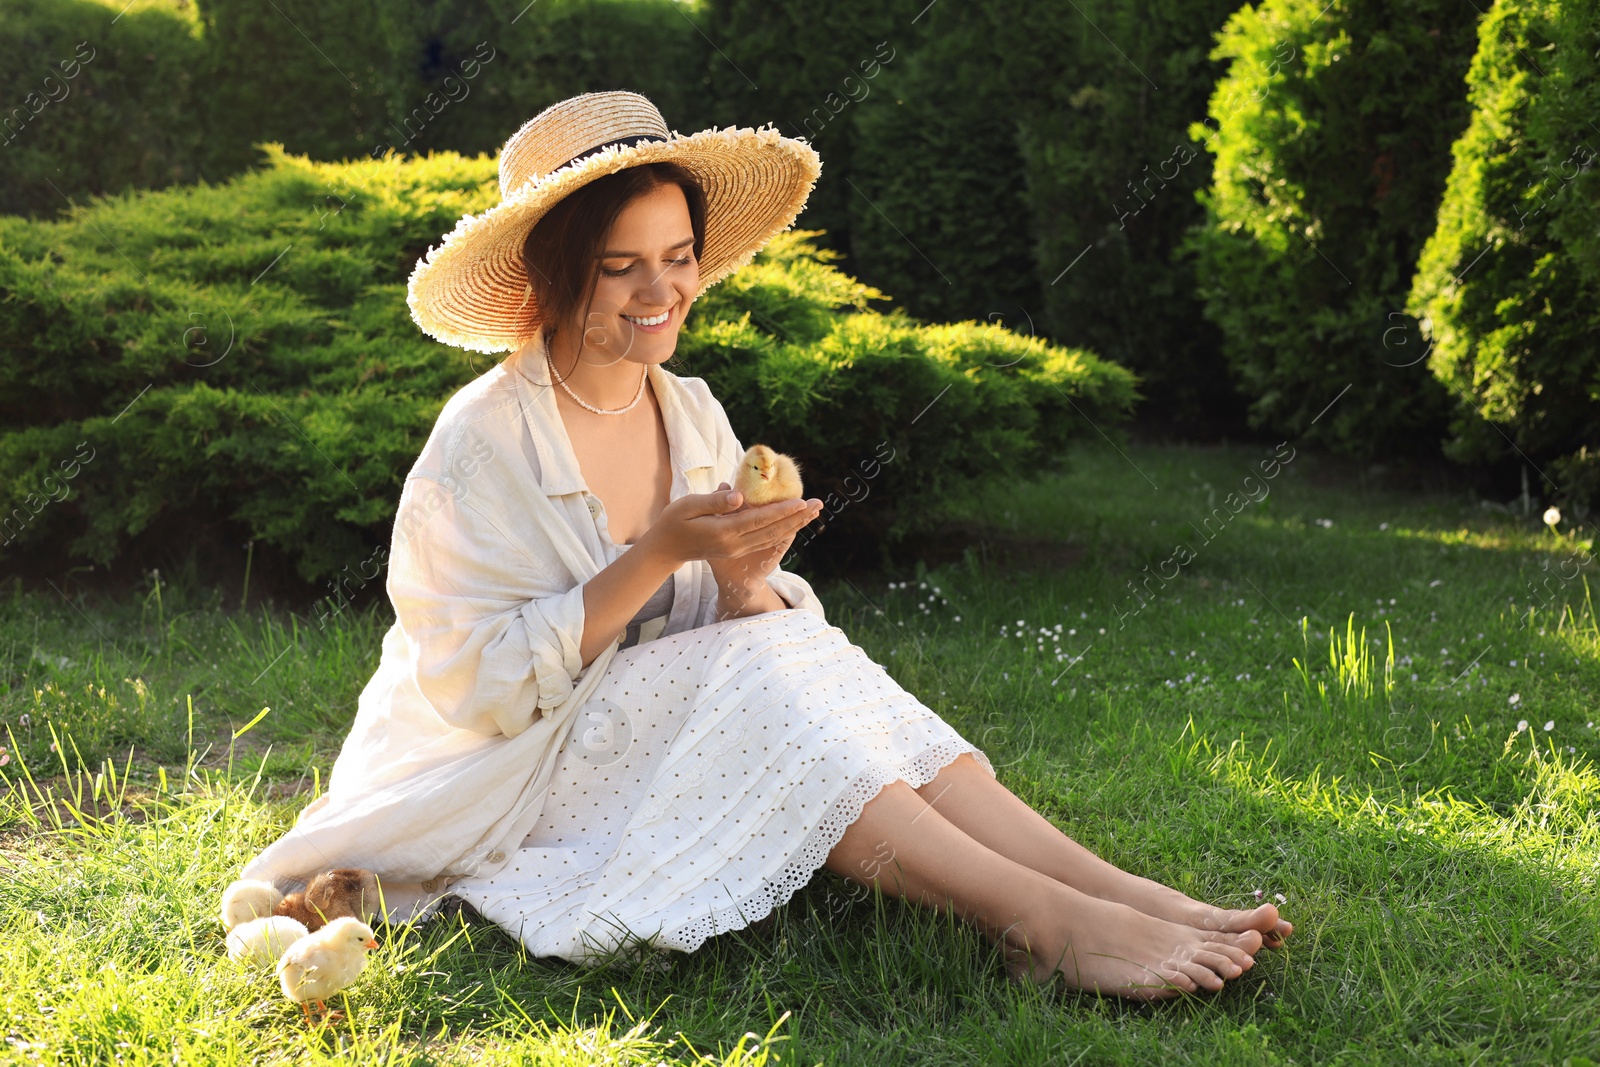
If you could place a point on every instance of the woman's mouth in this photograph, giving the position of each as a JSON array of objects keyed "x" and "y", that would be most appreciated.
[{"x": 653, "y": 324}]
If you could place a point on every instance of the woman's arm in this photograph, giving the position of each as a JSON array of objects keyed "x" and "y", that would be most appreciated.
[
  {"x": 614, "y": 596},
  {"x": 736, "y": 599}
]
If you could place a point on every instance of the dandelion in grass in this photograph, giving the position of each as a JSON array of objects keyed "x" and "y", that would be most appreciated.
[
  {"x": 1551, "y": 725},
  {"x": 1516, "y": 698},
  {"x": 1552, "y": 517},
  {"x": 1522, "y": 725}
]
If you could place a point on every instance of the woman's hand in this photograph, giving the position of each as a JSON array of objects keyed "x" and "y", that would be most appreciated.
[
  {"x": 721, "y": 529},
  {"x": 742, "y": 581}
]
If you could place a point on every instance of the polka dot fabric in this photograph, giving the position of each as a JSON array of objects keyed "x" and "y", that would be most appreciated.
[{"x": 704, "y": 781}]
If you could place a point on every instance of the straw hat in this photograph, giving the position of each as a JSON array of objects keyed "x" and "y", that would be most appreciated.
[{"x": 472, "y": 291}]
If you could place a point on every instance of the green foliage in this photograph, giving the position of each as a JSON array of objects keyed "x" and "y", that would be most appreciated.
[
  {"x": 1331, "y": 134},
  {"x": 877, "y": 405},
  {"x": 239, "y": 353},
  {"x": 176, "y": 93},
  {"x": 1508, "y": 287},
  {"x": 94, "y": 102},
  {"x": 807, "y": 66},
  {"x": 476, "y": 71},
  {"x": 938, "y": 220},
  {"x": 320, "y": 77},
  {"x": 242, "y": 356},
  {"x": 1111, "y": 176}
]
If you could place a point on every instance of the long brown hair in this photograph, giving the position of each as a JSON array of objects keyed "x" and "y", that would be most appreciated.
[{"x": 562, "y": 252}]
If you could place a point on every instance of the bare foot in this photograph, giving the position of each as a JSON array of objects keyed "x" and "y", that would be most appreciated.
[
  {"x": 1164, "y": 902},
  {"x": 1106, "y": 947}
]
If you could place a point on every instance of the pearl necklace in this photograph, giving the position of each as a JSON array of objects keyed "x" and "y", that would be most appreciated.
[{"x": 598, "y": 411}]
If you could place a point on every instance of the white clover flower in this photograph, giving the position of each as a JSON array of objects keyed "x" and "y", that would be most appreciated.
[
  {"x": 1551, "y": 725},
  {"x": 1522, "y": 725},
  {"x": 1516, "y": 698}
]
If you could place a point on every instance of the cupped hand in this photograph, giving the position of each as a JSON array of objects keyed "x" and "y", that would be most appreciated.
[{"x": 720, "y": 526}]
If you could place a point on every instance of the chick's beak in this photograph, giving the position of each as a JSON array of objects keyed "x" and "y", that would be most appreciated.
[{"x": 372, "y": 942}]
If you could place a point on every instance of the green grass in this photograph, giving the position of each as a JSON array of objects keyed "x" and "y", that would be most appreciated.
[{"x": 1318, "y": 709}]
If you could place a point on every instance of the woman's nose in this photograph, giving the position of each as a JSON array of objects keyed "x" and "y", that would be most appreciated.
[{"x": 659, "y": 292}]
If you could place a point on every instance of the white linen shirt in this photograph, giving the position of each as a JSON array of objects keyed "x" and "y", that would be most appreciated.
[{"x": 445, "y": 769}]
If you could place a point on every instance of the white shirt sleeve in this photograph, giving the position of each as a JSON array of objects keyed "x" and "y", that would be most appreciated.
[
  {"x": 493, "y": 637},
  {"x": 792, "y": 589}
]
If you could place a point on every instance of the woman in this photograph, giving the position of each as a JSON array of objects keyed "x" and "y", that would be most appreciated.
[{"x": 605, "y": 716}]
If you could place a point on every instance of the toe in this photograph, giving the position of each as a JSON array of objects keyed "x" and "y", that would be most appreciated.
[
  {"x": 1247, "y": 941},
  {"x": 1170, "y": 981},
  {"x": 1202, "y": 975},
  {"x": 1238, "y": 956},
  {"x": 1218, "y": 962}
]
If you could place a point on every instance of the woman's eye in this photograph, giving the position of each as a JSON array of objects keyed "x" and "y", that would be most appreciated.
[{"x": 684, "y": 262}]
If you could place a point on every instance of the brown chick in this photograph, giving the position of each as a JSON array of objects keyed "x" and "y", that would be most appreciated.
[
  {"x": 333, "y": 894},
  {"x": 319, "y": 965},
  {"x": 766, "y": 476}
]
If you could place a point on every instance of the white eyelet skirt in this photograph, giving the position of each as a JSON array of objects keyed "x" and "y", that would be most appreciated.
[{"x": 706, "y": 779}]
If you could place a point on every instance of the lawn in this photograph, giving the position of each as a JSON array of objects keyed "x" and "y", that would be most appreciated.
[{"x": 1367, "y": 699}]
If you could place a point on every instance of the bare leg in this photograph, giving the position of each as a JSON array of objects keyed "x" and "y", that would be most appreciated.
[
  {"x": 908, "y": 849},
  {"x": 966, "y": 795}
]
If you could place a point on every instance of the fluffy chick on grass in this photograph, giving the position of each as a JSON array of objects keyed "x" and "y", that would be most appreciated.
[
  {"x": 264, "y": 940},
  {"x": 766, "y": 476},
  {"x": 338, "y": 893},
  {"x": 319, "y": 965},
  {"x": 247, "y": 899}
]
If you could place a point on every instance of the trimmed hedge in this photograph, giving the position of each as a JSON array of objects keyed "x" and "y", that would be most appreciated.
[
  {"x": 1331, "y": 134},
  {"x": 93, "y": 105},
  {"x": 1508, "y": 288},
  {"x": 242, "y": 357},
  {"x": 1111, "y": 176},
  {"x": 938, "y": 217},
  {"x": 807, "y": 66},
  {"x": 175, "y": 93}
]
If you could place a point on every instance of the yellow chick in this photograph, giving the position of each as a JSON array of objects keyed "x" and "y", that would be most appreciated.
[
  {"x": 264, "y": 940},
  {"x": 248, "y": 899},
  {"x": 318, "y": 965},
  {"x": 766, "y": 476}
]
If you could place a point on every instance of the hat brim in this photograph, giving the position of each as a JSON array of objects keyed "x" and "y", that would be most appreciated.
[{"x": 472, "y": 290}]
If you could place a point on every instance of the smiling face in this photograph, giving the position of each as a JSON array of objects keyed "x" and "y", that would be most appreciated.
[{"x": 647, "y": 270}]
